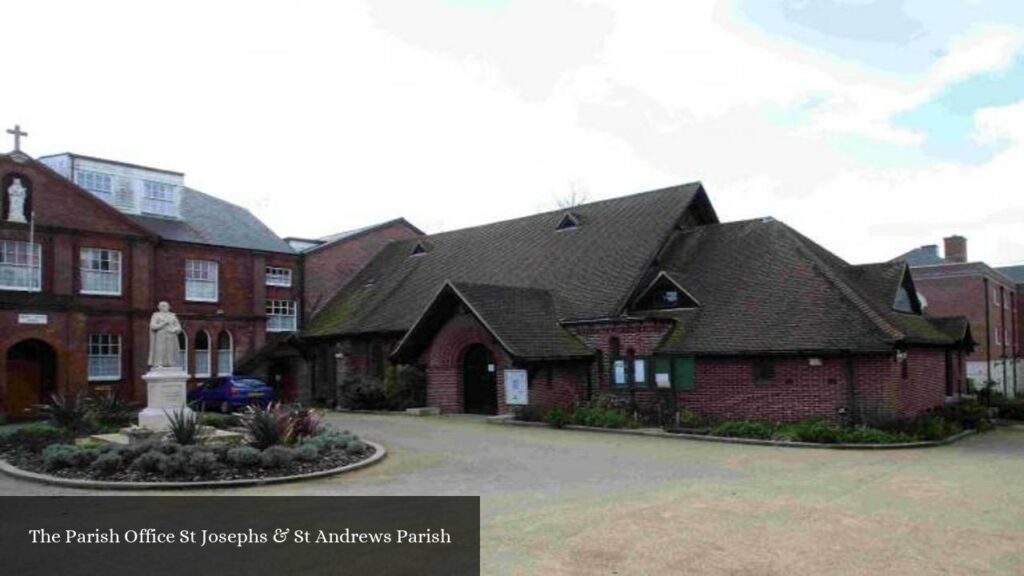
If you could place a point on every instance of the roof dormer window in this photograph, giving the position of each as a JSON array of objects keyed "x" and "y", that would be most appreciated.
[
  {"x": 418, "y": 249},
  {"x": 569, "y": 221},
  {"x": 664, "y": 293},
  {"x": 158, "y": 198}
]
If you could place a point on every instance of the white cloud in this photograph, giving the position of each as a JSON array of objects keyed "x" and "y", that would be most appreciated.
[{"x": 327, "y": 116}]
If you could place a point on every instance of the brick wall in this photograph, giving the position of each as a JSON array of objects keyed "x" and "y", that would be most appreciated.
[
  {"x": 67, "y": 220},
  {"x": 443, "y": 362},
  {"x": 327, "y": 269}
]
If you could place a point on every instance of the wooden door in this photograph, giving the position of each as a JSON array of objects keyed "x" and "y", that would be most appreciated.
[{"x": 24, "y": 388}]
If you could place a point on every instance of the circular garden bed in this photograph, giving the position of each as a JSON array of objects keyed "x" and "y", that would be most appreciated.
[{"x": 274, "y": 444}]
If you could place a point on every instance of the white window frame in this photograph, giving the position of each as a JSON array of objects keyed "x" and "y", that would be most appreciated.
[
  {"x": 282, "y": 315},
  {"x": 104, "y": 352},
  {"x": 995, "y": 296},
  {"x": 159, "y": 198},
  {"x": 226, "y": 353},
  {"x": 997, "y": 331},
  {"x": 91, "y": 257},
  {"x": 92, "y": 181},
  {"x": 201, "y": 274},
  {"x": 202, "y": 362},
  {"x": 279, "y": 276},
  {"x": 183, "y": 351},
  {"x": 19, "y": 259}
]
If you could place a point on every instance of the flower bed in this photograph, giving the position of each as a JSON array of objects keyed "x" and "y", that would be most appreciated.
[
  {"x": 279, "y": 442},
  {"x": 166, "y": 460},
  {"x": 935, "y": 426}
]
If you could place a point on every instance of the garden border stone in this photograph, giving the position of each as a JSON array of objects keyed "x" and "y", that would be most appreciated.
[
  {"x": 379, "y": 454},
  {"x": 508, "y": 420}
]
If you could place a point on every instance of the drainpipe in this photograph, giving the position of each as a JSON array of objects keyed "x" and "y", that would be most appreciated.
[
  {"x": 1002, "y": 322},
  {"x": 852, "y": 416},
  {"x": 988, "y": 339}
]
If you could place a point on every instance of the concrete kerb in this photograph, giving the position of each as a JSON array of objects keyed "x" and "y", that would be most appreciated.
[{"x": 379, "y": 454}]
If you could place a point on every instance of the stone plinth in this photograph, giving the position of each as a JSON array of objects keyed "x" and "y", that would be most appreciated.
[{"x": 165, "y": 394}]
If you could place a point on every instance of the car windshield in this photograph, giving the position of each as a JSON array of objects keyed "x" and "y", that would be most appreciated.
[{"x": 248, "y": 382}]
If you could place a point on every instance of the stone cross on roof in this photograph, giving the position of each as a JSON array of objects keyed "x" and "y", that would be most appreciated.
[{"x": 17, "y": 133}]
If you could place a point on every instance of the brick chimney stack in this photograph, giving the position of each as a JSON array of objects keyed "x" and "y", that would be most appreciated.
[{"x": 956, "y": 249}]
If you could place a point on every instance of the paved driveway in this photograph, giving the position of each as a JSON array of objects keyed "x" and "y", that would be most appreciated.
[{"x": 561, "y": 502}]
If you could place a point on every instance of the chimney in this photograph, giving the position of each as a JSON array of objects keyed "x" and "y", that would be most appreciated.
[{"x": 956, "y": 249}]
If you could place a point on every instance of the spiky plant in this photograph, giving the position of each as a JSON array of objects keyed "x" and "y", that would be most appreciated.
[
  {"x": 183, "y": 425},
  {"x": 268, "y": 426}
]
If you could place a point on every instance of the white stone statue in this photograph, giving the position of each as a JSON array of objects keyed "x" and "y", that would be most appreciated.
[
  {"x": 163, "y": 337},
  {"x": 16, "y": 193}
]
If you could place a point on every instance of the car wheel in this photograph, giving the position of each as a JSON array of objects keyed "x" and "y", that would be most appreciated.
[{"x": 225, "y": 407}]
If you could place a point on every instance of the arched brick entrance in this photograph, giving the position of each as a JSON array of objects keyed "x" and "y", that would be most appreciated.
[
  {"x": 31, "y": 377},
  {"x": 479, "y": 380}
]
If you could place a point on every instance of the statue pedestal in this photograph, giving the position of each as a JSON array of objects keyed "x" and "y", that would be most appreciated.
[{"x": 165, "y": 392}]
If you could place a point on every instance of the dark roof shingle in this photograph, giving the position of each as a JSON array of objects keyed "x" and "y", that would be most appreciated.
[{"x": 589, "y": 270}]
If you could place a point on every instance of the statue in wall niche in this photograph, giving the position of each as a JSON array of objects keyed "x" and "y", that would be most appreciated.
[
  {"x": 163, "y": 337},
  {"x": 16, "y": 194}
]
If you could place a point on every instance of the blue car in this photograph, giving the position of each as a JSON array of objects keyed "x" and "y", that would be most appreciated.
[{"x": 229, "y": 393}]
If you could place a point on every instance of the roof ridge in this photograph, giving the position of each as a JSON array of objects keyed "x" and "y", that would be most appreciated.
[
  {"x": 697, "y": 185},
  {"x": 845, "y": 288}
]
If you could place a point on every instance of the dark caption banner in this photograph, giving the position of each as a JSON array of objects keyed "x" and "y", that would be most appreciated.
[{"x": 193, "y": 535}]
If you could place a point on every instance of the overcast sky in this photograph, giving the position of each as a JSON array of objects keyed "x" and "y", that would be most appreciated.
[{"x": 872, "y": 127}]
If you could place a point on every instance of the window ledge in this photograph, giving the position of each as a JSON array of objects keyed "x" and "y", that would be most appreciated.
[
  {"x": 105, "y": 378},
  {"x": 97, "y": 293}
]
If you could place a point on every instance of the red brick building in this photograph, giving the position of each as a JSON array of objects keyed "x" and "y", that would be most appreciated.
[
  {"x": 647, "y": 296},
  {"x": 90, "y": 246},
  {"x": 987, "y": 297}
]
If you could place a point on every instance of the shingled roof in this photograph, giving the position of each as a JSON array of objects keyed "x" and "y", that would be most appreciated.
[
  {"x": 524, "y": 320},
  {"x": 765, "y": 288},
  {"x": 209, "y": 220},
  {"x": 589, "y": 271},
  {"x": 760, "y": 286}
]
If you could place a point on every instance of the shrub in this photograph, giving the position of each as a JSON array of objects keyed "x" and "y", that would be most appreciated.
[
  {"x": 332, "y": 440},
  {"x": 152, "y": 461},
  {"x": 816, "y": 431},
  {"x": 219, "y": 421},
  {"x": 202, "y": 462},
  {"x": 276, "y": 457},
  {"x": 602, "y": 417},
  {"x": 183, "y": 426},
  {"x": 174, "y": 464},
  {"x": 58, "y": 456},
  {"x": 932, "y": 427},
  {"x": 33, "y": 437},
  {"x": 268, "y": 426},
  {"x": 1011, "y": 409},
  {"x": 111, "y": 409},
  {"x": 107, "y": 463},
  {"x": 861, "y": 435},
  {"x": 558, "y": 417},
  {"x": 70, "y": 413},
  {"x": 744, "y": 429},
  {"x": 305, "y": 423},
  {"x": 167, "y": 448},
  {"x": 690, "y": 419},
  {"x": 357, "y": 448},
  {"x": 307, "y": 453},
  {"x": 968, "y": 413},
  {"x": 364, "y": 393},
  {"x": 244, "y": 456},
  {"x": 404, "y": 386}
]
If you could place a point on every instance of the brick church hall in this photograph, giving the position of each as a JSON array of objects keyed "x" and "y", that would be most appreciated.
[{"x": 646, "y": 296}]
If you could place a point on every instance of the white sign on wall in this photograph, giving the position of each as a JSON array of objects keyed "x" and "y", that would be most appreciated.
[
  {"x": 516, "y": 388},
  {"x": 32, "y": 319}
]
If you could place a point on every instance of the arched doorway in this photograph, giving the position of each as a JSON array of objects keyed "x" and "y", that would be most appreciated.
[
  {"x": 31, "y": 377},
  {"x": 479, "y": 381}
]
